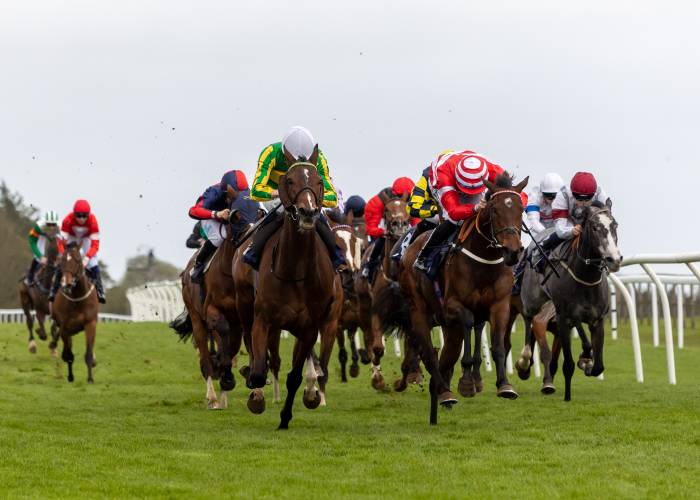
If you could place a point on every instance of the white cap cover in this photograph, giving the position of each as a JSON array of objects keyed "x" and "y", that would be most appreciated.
[
  {"x": 299, "y": 142},
  {"x": 551, "y": 183}
]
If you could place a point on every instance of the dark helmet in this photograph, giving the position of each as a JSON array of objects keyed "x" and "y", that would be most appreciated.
[{"x": 356, "y": 205}]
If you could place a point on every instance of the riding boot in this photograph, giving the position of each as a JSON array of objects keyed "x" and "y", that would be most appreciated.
[
  {"x": 424, "y": 261},
  {"x": 375, "y": 256},
  {"x": 547, "y": 245},
  {"x": 420, "y": 228},
  {"x": 197, "y": 272},
  {"x": 29, "y": 279},
  {"x": 96, "y": 278},
  {"x": 253, "y": 255},
  {"x": 328, "y": 238},
  {"x": 55, "y": 284}
]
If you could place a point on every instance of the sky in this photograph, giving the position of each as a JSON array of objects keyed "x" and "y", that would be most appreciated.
[{"x": 138, "y": 106}]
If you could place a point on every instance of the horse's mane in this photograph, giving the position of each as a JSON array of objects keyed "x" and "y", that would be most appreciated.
[
  {"x": 504, "y": 180},
  {"x": 598, "y": 204},
  {"x": 336, "y": 216}
]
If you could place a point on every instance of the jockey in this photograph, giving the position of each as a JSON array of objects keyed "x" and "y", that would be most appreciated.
[
  {"x": 581, "y": 192},
  {"x": 213, "y": 209},
  {"x": 43, "y": 229},
  {"x": 80, "y": 227},
  {"x": 457, "y": 179},
  {"x": 539, "y": 217},
  {"x": 355, "y": 204},
  {"x": 272, "y": 164},
  {"x": 374, "y": 220}
]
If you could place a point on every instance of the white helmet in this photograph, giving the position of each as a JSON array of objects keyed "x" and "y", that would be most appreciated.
[
  {"x": 551, "y": 183},
  {"x": 50, "y": 217},
  {"x": 299, "y": 142}
]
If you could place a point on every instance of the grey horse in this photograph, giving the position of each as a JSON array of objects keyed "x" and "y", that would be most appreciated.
[{"x": 580, "y": 292}]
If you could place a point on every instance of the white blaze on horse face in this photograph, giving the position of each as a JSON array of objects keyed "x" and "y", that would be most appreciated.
[
  {"x": 358, "y": 253},
  {"x": 310, "y": 201},
  {"x": 346, "y": 236},
  {"x": 608, "y": 246}
]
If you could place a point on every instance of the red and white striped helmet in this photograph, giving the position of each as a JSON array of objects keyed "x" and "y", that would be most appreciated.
[{"x": 470, "y": 173}]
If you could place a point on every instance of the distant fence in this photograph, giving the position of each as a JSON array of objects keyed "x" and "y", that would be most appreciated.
[
  {"x": 155, "y": 301},
  {"x": 17, "y": 316}
]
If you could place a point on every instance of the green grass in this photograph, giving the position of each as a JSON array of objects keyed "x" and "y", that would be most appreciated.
[{"x": 142, "y": 431}]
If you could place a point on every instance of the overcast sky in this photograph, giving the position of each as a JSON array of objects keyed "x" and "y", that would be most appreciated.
[{"x": 138, "y": 106}]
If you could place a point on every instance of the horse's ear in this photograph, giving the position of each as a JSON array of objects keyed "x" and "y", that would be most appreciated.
[
  {"x": 313, "y": 159},
  {"x": 521, "y": 185},
  {"x": 289, "y": 158},
  {"x": 491, "y": 187},
  {"x": 608, "y": 203},
  {"x": 405, "y": 196},
  {"x": 282, "y": 190}
]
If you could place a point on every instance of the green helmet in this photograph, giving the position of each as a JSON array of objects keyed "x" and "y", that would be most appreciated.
[{"x": 50, "y": 217}]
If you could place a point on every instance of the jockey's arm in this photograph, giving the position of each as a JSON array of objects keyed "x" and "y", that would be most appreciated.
[
  {"x": 94, "y": 231},
  {"x": 374, "y": 211},
  {"x": 330, "y": 197},
  {"x": 420, "y": 204},
  {"x": 33, "y": 241},
  {"x": 560, "y": 214},
  {"x": 261, "y": 190},
  {"x": 455, "y": 210},
  {"x": 533, "y": 219}
]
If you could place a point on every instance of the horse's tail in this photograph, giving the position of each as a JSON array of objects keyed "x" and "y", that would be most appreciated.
[
  {"x": 182, "y": 325},
  {"x": 392, "y": 309}
]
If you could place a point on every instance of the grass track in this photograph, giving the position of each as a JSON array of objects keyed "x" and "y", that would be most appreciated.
[{"x": 142, "y": 431}]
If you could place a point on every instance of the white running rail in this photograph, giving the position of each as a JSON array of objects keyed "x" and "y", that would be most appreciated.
[
  {"x": 17, "y": 316},
  {"x": 156, "y": 301}
]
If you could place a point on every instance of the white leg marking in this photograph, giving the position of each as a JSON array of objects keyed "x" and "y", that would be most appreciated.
[
  {"x": 275, "y": 390},
  {"x": 212, "y": 402}
]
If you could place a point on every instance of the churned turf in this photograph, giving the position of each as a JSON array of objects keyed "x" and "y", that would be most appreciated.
[{"x": 142, "y": 431}]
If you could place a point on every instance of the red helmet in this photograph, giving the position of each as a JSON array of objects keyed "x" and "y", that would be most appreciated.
[
  {"x": 584, "y": 184},
  {"x": 402, "y": 185},
  {"x": 81, "y": 206}
]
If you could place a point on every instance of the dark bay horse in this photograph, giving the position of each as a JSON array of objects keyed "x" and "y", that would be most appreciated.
[
  {"x": 297, "y": 288},
  {"x": 580, "y": 294},
  {"x": 36, "y": 296},
  {"x": 380, "y": 300},
  {"x": 75, "y": 309},
  {"x": 474, "y": 282}
]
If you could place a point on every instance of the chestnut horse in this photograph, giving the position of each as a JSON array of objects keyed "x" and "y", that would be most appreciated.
[
  {"x": 75, "y": 309},
  {"x": 297, "y": 287},
  {"x": 475, "y": 280},
  {"x": 381, "y": 299},
  {"x": 36, "y": 296}
]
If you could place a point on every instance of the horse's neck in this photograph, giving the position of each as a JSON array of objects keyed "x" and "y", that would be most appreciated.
[
  {"x": 81, "y": 286},
  {"x": 225, "y": 256},
  {"x": 47, "y": 273},
  {"x": 388, "y": 245},
  {"x": 577, "y": 254},
  {"x": 478, "y": 244},
  {"x": 295, "y": 250}
]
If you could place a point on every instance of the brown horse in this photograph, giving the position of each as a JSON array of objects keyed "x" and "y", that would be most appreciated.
[
  {"x": 382, "y": 298},
  {"x": 297, "y": 288},
  {"x": 474, "y": 280},
  {"x": 352, "y": 248},
  {"x": 75, "y": 309},
  {"x": 36, "y": 296}
]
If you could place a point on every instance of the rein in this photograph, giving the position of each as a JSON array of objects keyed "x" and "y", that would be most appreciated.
[{"x": 79, "y": 299}]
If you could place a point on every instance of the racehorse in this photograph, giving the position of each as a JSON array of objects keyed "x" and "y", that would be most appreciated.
[
  {"x": 349, "y": 322},
  {"x": 297, "y": 288},
  {"x": 474, "y": 280},
  {"x": 213, "y": 315},
  {"x": 75, "y": 309},
  {"x": 381, "y": 300},
  {"x": 580, "y": 292},
  {"x": 36, "y": 295}
]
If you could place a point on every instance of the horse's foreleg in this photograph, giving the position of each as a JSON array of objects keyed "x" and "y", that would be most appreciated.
[
  {"x": 29, "y": 319},
  {"x": 585, "y": 359},
  {"x": 377, "y": 349},
  {"x": 564, "y": 336},
  {"x": 41, "y": 330},
  {"x": 354, "y": 355},
  {"x": 328, "y": 335},
  {"x": 476, "y": 359},
  {"x": 67, "y": 354},
  {"x": 201, "y": 341},
  {"x": 90, "y": 332},
  {"x": 259, "y": 340},
  {"x": 499, "y": 321},
  {"x": 598, "y": 339},
  {"x": 273, "y": 347},
  {"x": 342, "y": 354},
  {"x": 302, "y": 351}
]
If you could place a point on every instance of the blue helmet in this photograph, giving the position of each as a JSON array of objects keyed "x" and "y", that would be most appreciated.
[{"x": 356, "y": 205}]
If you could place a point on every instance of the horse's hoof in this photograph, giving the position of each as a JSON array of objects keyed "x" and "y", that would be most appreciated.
[
  {"x": 479, "y": 385},
  {"x": 466, "y": 387},
  {"x": 524, "y": 374},
  {"x": 584, "y": 362},
  {"x": 447, "y": 400},
  {"x": 283, "y": 426},
  {"x": 506, "y": 391},
  {"x": 312, "y": 404},
  {"x": 256, "y": 402},
  {"x": 70, "y": 378},
  {"x": 213, "y": 405},
  {"x": 354, "y": 371},
  {"x": 42, "y": 335},
  {"x": 244, "y": 371},
  {"x": 415, "y": 378},
  {"x": 32, "y": 347},
  {"x": 91, "y": 381},
  {"x": 378, "y": 383},
  {"x": 548, "y": 388},
  {"x": 364, "y": 356},
  {"x": 400, "y": 385}
]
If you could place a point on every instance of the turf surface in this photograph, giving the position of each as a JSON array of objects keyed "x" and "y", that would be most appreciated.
[{"x": 142, "y": 431}]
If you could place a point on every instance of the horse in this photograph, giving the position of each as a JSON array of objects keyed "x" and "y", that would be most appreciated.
[
  {"x": 36, "y": 296},
  {"x": 475, "y": 279},
  {"x": 213, "y": 316},
  {"x": 580, "y": 292},
  {"x": 380, "y": 300},
  {"x": 74, "y": 310},
  {"x": 349, "y": 322},
  {"x": 297, "y": 288}
]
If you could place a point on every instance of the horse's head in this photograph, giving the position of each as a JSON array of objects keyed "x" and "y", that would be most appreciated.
[
  {"x": 600, "y": 233},
  {"x": 504, "y": 212},
  {"x": 71, "y": 267},
  {"x": 396, "y": 216},
  {"x": 301, "y": 190}
]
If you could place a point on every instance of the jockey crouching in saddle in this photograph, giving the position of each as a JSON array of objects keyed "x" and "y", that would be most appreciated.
[
  {"x": 566, "y": 207},
  {"x": 539, "y": 218},
  {"x": 457, "y": 179},
  {"x": 80, "y": 227},
  {"x": 39, "y": 235},
  {"x": 214, "y": 208},
  {"x": 272, "y": 164},
  {"x": 375, "y": 224}
]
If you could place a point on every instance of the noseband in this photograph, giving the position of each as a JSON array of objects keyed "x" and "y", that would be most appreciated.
[{"x": 292, "y": 209}]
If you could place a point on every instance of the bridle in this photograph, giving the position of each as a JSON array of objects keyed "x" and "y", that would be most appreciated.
[
  {"x": 389, "y": 228},
  {"x": 292, "y": 209},
  {"x": 68, "y": 288},
  {"x": 598, "y": 262},
  {"x": 492, "y": 238}
]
